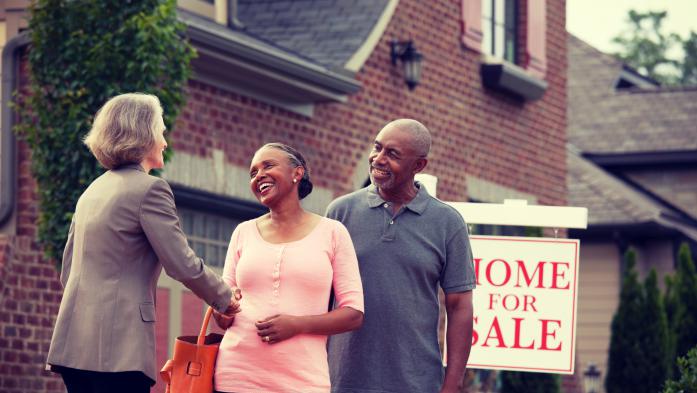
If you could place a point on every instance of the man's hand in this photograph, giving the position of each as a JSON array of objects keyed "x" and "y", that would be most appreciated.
[
  {"x": 225, "y": 320},
  {"x": 277, "y": 328}
]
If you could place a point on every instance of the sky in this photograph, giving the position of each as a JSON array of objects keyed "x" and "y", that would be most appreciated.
[{"x": 598, "y": 21}]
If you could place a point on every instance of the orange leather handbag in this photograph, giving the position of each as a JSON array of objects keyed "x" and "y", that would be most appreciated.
[{"x": 191, "y": 368}]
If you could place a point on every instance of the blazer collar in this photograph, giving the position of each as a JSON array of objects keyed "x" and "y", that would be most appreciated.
[{"x": 131, "y": 166}]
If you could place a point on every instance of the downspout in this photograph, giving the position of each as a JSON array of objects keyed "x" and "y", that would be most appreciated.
[
  {"x": 10, "y": 72},
  {"x": 233, "y": 21}
]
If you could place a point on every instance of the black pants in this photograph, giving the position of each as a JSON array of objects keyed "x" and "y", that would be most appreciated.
[{"x": 82, "y": 381}]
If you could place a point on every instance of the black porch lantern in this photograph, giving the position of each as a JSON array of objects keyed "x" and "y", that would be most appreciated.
[
  {"x": 406, "y": 52},
  {"x": 591, "y": 379}
]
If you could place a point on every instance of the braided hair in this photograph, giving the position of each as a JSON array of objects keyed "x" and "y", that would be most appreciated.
[{"x": 296, "y": 160}]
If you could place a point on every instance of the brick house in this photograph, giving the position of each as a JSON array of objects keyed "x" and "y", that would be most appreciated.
[
  {"x": 632, "y": 161},
  {"x": 316, "y": 74}
]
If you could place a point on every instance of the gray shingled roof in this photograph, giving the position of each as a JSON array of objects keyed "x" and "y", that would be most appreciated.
[
  {"x": 326, "y": 31},
  {"x": 602, "y": 120},
  {"x": 609, "y": 200}
]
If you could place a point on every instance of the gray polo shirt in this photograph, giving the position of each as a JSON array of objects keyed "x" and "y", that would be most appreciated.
[{"x": 402, "y": 259}]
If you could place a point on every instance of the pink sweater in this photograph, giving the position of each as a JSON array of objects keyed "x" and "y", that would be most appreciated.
[{"x": 290, "y": 278}]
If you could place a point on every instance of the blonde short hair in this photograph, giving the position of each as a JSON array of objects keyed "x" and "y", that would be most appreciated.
[{"x": 124, "y": 129}]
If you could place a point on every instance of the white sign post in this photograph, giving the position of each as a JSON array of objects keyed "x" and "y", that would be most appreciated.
[{"x": 527, "y": 288}]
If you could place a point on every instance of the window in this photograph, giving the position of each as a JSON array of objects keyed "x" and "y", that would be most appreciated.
[
  {"x": 499, "y": 27},
  {"x": 208, "y": 234},
  {"x": 208, "y": 220}
]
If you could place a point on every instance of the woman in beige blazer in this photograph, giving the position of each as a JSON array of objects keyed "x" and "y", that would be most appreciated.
[{"x": 124, "y": 231}]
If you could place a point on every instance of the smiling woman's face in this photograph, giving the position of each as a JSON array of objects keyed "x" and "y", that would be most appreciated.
[{"x": 271, "y": 176}]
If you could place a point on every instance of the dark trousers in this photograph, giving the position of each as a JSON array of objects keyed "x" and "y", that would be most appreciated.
[{"x": 82, "y": 381}]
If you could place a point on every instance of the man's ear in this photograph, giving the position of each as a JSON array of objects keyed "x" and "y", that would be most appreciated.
[{"x": 420, "y": 164}]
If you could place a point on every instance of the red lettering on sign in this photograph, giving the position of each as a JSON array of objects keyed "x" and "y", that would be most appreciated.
[
  {"x": 547, "y": 333},
  {"x": 498, "y": 272},
  {"x": 556, "y": 274},
  {"x": 499, "y": 336},
  {"x": 506, "y": 266},
  {"x": 516, "y": 337},
  {"x": 528, "y": 279}
]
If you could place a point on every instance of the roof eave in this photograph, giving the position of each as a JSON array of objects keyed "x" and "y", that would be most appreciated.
[
  {"x": 266, "y": 71},
  {"x": 608, "y": 160}
]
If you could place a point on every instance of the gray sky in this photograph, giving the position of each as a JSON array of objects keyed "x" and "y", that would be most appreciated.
[{"x": 598, "y": 21}]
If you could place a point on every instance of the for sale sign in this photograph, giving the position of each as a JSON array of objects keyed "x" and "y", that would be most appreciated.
[{"x": 524, "y": 304}]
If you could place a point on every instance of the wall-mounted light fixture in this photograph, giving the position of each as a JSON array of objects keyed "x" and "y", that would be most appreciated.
[
  {"x": 591, "y": 379},
  {"x": 411, "y": 61}
]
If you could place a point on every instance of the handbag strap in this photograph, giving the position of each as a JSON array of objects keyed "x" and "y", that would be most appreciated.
[
  {"x": 166, "y": 373},
  {"x": 204, "y": 326}
]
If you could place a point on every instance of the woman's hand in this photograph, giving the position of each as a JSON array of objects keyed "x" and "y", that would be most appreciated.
[
  {"x": 224, "y": 321},
  {"x": 277, "y": 328}
]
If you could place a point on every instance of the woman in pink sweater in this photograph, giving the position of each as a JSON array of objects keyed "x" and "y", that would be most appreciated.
[{"x": 285, "y": 264}]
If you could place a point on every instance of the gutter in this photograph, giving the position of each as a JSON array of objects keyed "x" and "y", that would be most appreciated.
[
  {"x": 230, "y": 43},
  {"x": 620, "y": 159},
  {"x": 8, "y": 165}
]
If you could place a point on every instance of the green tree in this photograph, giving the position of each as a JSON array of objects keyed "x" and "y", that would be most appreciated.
[
  {"x": 81, "y": 54},
  {"x": 655, "y": 342},
  {"x": 684, "y": 323},
  {"x": 647, "y": 48},
  {"x": 689, "y": 64},
  {"x": 687, "y": 381},
  {"x": 671, "y": 302},
  {"x": 523, "y": 382},
  {"x": 639, "y": 345},
  {"x": 625, "y": 342}
]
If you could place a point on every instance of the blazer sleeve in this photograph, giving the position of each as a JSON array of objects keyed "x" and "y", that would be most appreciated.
[
  {"x": 159, "y": 220},
  {"x": 67, "y": 255}
]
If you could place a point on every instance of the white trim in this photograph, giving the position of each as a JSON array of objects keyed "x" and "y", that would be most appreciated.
[
  {"x": 221, "y": 11},
  {"x": 361, "y": 55},
  {"x": 517, "y": 212}
]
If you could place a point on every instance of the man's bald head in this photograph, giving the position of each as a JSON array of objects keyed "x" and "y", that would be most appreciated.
[{"x": 420, "y": 137}]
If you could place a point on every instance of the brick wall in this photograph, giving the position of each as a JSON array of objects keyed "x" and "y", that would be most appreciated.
[
  {"x": 476, "y": 132},
  {"x": 29, "y": 299},
  {"x": 488, "y": 135}
]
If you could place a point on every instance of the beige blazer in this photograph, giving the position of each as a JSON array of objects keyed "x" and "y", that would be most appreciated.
[{"x": 124, "y": 231}]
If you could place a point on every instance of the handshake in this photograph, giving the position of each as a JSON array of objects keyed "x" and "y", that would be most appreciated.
[{"x": 225, "y": 320}]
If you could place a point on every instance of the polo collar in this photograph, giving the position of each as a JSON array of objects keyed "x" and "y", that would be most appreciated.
[{"x": 417, "y": 205}]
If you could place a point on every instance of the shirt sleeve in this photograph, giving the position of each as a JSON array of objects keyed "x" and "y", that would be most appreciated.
[
  {"x": 232, "y": 257},
  {"x": 458, "y": 273},
  {"x": 348, "y": 289}
]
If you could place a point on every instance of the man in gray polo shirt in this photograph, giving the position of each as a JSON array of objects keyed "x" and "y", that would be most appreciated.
[{"x": 408, "y": 243}]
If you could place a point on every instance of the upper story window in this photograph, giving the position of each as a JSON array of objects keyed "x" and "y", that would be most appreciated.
[
  {"x": 513, "y": 35},
  {"x": 499, "y": 29}
]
